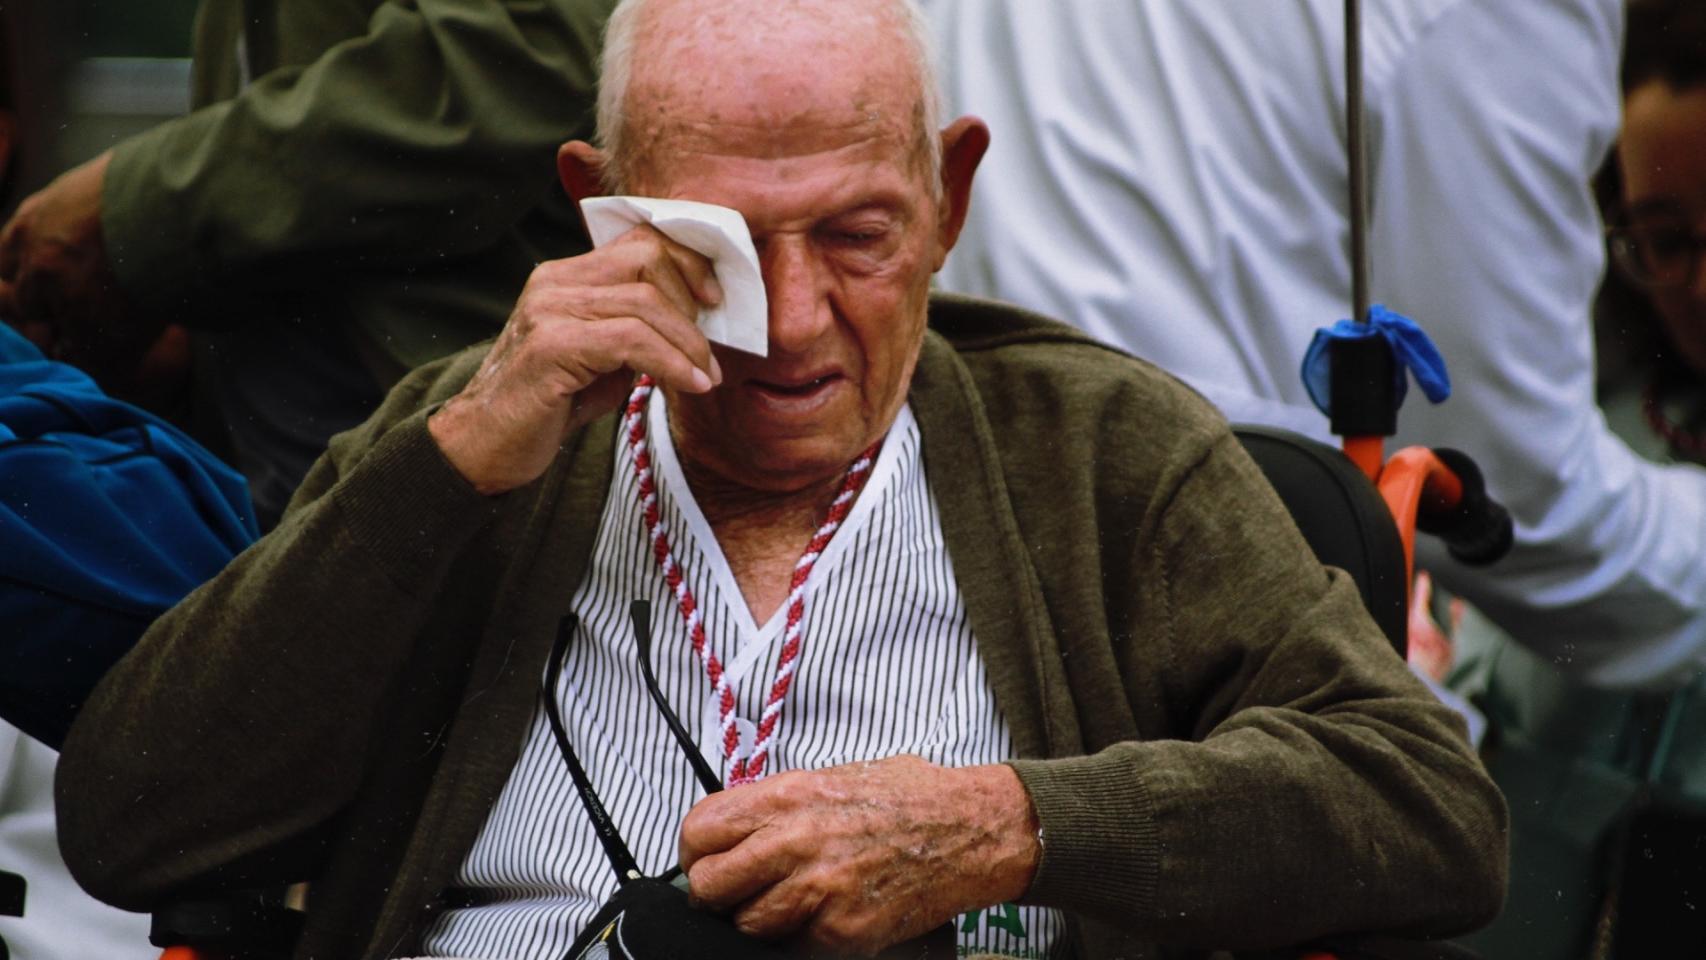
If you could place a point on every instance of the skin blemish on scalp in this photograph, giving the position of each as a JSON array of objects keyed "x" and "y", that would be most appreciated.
[{"x": 718, "y": 65}]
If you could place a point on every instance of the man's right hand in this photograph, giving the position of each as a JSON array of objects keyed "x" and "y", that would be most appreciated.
[{"x": 581, "y": 330}]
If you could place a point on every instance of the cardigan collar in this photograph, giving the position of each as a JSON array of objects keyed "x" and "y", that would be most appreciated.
[{"x": 1000, "y": 587}]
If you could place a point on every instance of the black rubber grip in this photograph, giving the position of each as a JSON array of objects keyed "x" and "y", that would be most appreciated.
[
  {"x": 248, "y": 925},
  {"x": 1479, "y": 530},
  {"x": 1362, "y": 385},
  {"x": 11, "y": 895}
]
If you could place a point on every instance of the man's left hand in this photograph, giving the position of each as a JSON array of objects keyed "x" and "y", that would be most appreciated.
[{"x": 858, "y": 857}]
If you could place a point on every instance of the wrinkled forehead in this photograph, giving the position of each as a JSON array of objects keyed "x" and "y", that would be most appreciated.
[{"x": 770, "y": 80}]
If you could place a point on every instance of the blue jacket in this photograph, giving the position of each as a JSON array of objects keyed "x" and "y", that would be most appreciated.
[{"x": 108, "y": 516}]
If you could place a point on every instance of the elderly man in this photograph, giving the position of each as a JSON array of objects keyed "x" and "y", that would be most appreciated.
[{"x": 990, "y": 623}]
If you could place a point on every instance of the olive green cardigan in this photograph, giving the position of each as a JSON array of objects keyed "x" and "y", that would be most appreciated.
[{"x": 1221, "y": 747}]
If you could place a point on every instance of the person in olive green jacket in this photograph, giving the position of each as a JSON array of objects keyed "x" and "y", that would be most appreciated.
[
  {"x": 1200, "y": 738},
  {"x": 363, "y": 187}
]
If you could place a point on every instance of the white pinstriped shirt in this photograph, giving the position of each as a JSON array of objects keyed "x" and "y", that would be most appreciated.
[{"x": 888, "y": 666}]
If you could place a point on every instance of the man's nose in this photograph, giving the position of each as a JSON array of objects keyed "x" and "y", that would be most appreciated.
[{"x": 797, "y": 287}]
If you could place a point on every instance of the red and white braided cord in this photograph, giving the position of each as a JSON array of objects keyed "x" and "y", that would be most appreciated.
[{"x": 750, "y": 768}]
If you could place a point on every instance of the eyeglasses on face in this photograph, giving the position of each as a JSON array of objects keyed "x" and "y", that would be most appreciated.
[{"x": 1657, "y": 253}]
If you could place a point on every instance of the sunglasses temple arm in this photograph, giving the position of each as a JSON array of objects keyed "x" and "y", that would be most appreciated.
[
  {"x": 640, "y": 612},
  {"x": 615, "y": 850}
]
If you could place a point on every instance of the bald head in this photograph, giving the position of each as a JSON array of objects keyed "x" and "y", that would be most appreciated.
[{"x": 774, "y": 76}]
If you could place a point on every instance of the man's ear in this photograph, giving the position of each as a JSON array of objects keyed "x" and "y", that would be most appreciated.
[
  {"x": 963, "y": 145},
  {"x": 580, "y": 166}
]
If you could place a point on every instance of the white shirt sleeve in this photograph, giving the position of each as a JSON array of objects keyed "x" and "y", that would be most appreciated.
[
  {"x": 1484, "y": 230},
  {"x": 59, "y": 920}
]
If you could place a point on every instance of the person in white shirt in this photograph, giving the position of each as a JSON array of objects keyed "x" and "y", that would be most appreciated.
[{"x": 1181, "y": 192}]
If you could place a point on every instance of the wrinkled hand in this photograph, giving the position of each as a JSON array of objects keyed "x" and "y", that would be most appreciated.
[
  {"x": 57, "y": 284},
  {"x": 858, "y": 857},
  {"x": 581, "y": 330}
]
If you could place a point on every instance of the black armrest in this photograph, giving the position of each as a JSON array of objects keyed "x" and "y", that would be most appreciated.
[{"x": 241, "y": 926}]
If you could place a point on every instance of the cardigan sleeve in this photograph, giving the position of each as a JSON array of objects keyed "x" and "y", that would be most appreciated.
[
  {"x": 423, "y": 138},
  {"x": 218, "y": 750},
  {"x": 1309, "y": 784}
]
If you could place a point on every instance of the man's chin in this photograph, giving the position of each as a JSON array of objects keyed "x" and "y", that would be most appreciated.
[
  {"x": 792, "y": 467},
  {"x": 779, "y": 452}
]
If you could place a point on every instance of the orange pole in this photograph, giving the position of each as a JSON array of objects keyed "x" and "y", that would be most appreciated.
[
  {"x": 1367, "y": 453},
  {"x": 1412, "y": 474}
]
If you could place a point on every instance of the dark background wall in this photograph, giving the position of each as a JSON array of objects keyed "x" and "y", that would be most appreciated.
[{"x": 86, "y": 73}]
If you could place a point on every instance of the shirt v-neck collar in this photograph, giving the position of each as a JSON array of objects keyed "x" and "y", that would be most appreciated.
[{"x": 688, "y": 522}]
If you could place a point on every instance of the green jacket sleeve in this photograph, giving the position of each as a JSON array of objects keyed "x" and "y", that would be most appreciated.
[
  {"x": 426, "y": 137},
  {"x": 1302, "y": 783}
]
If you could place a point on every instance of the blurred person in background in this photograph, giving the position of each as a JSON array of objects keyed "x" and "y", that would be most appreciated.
[
  {"x": 1658, "y": 242},
  {"x": 363, "y": 187},
  {"x": 1658, "y": 188},
  {"x": 59, "y": 920},
  {"x": 1182, "y": 194},
  {"x": 1608, "y": 789}
]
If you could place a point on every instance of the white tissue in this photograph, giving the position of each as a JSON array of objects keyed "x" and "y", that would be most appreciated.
[{"x": 742, "y": 320}]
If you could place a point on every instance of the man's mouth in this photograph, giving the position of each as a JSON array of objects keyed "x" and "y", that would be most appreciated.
[
  {"x": 795, "y": 388},
  {"x": 795, "y": 396}
]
